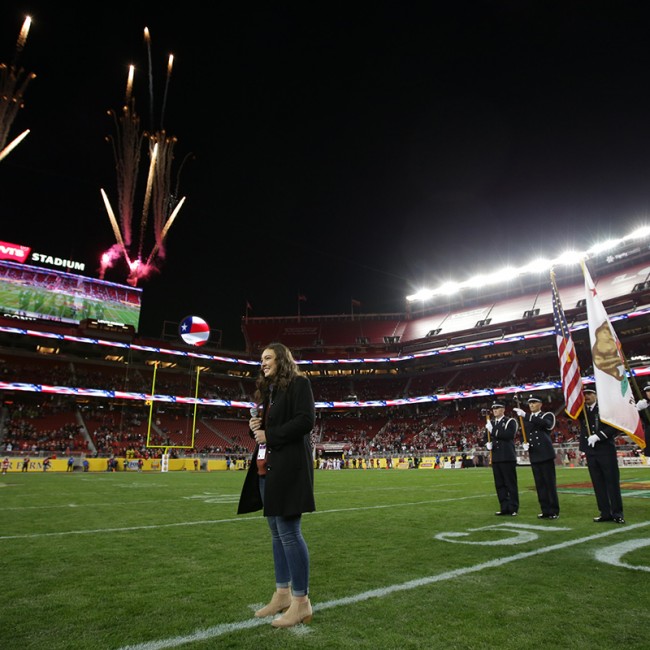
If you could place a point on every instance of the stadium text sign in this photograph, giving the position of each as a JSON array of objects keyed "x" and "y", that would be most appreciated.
[
  {"x": 18, "y": 253},
  {"x": 59, "y": 262}
]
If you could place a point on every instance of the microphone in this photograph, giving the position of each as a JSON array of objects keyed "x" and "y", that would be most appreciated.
[{"x": 255, "y": 413}]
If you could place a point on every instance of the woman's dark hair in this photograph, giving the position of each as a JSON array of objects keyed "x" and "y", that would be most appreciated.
[{"x": 287, "y": 369}]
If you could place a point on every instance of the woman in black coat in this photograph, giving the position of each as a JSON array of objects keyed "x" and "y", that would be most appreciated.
[{"x": 280, "y": 478}]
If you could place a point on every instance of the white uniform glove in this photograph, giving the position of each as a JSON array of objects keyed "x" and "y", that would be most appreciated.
[
  {"x": 642, "y": 404},
  {"x": 526, "y": 446},
  {"x": 592, "y": 440},
  {"x": 520, "y": 412},
  {"x": 488, "y": 426},
  {"x": 488, "y": 446}
]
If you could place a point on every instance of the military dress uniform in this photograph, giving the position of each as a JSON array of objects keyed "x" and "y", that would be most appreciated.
[
  {"x": 602, "y": 463},
  {"x": 504, "y": 462},
  {"x": 538, "y": 427},
  {"x": 643, "y": 406}
]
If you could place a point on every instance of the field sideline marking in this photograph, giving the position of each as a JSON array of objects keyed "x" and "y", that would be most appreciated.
[
  {"x": 208, "y": 522},
  {"x": 221, "y": 630},
  {"x": 111, "y": 504}
]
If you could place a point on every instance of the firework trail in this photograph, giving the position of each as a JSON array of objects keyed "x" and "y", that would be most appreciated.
[
  {"x": 170, "y": 64},
  {"x": 13, "y": 83},
  {"x": 158, "y": 199},
  {"x": 126, "y": 150},
  {"x": 147, "y": 40},
  {"x": 153, "y": 155}
]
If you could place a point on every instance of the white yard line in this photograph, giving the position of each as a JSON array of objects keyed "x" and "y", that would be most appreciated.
[
  {"x": 210, "y": 522},
  {"x": 227, "y": 628}
]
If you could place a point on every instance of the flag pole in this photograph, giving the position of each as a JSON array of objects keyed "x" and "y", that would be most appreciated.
[
  {"x": 489, "y": 437},
  {"x": 521, "y": 420},
  {"x": 584, "y": 413},
  {"x": 585, "y": 407}
]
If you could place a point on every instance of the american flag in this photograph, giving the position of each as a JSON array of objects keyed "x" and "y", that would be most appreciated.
[{"x": 566, "y": 352}]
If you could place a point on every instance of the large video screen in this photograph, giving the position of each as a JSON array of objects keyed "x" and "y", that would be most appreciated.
[{"x": 34, "y": 292}]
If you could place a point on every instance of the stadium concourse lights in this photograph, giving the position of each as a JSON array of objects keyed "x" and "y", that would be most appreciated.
[{"x": 540, "y": 265}]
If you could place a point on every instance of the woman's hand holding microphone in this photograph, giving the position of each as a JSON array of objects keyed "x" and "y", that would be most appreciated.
[{"x": 255, "y": 423}]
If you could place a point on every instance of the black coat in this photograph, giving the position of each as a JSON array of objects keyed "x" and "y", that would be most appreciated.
[
  {"x": 289, "y": 488},
  {"x": 645, "y": 420},
  {"x": 606, "y": 434},
  {"x": 538, "y": 434},
  {"x": 503, "y": 440}
]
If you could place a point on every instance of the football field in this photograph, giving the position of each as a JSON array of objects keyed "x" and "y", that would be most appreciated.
[{"x": 399, "y": 559}]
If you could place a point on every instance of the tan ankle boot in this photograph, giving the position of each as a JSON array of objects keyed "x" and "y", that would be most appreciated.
[
  {"x": 299, "y": 612},
  {"x": 280, "y": 602}
]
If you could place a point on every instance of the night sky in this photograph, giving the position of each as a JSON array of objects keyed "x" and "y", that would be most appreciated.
[{"x": 336, "y": 150}]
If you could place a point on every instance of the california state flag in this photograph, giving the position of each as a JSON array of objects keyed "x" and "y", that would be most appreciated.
[{"x": 616, "y": 404}]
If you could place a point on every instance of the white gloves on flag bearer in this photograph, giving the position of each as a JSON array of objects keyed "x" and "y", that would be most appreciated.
[
  {"x": 488, "y": 426},
  {"x": 488, "y": 446},
  {"x": 520, "y": 412},
  {"x": 592, "y": 440},
  {"x": 525, "y": 446},
  {"x": 642, "y": 404}
]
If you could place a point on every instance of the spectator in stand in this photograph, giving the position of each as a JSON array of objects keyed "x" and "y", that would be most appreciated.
[
  {"x": 537, "y": 431},
  {"x": 643, "y": 406},
  {"x": 501, "y": 432},
  {"x": 598, "y": 442},
  {"x": 280, "y": 479}
]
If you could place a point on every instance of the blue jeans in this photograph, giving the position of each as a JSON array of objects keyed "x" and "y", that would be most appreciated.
[{"x": 290, "y": 553}]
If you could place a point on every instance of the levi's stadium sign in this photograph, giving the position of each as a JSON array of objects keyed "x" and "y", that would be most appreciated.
[{"x": 22, "y": 254}]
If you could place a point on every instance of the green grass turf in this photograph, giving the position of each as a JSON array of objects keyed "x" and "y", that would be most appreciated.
[{"x": 399, "y": 559}]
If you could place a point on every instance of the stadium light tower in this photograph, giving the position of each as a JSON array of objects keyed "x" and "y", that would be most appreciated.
[{"x": 568, "y": 258}]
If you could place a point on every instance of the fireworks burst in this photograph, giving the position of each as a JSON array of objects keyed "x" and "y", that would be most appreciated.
[
  {"x": 13, "y": 83},
  {"x": 159, "y": 200}
]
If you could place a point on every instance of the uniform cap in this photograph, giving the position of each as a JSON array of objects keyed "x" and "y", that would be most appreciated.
[
  {"x": 589, "y": 390},
  {"x": 532, "y": 398},
  {"x": 646, "y": 387},
  {"x": 498, "y": 405}
]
